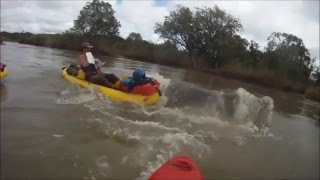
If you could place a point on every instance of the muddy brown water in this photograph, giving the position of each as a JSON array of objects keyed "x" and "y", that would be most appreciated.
[{"x": 52, "y": 129}]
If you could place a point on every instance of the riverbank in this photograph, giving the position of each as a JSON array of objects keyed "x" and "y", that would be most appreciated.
[
  {"x": 260, "y": 78},
  {"x": 270, "y": 80}
]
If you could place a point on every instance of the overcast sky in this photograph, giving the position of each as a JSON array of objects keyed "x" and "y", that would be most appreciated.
[{"x": 259, "y": 18}]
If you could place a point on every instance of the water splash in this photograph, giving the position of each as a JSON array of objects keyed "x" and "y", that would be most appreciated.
[
  {"x": 103, "y": 166},
  {"x": 233, "y": 106},
  {"x": 151, "y": 167},
  {"x": 164, "y": 84},
  {"x": 74, "y": 94},
  {"x": 189, "y": 119},
  {"x": 252, "y": 108}
]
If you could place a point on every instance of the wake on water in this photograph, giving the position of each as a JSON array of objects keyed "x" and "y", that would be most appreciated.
[{"x": 186, "y": 119}]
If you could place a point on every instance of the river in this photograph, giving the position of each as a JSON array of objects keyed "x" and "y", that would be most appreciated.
[{"x": 52, "y": 129}]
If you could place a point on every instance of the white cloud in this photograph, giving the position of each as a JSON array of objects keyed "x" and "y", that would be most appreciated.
[
  {"x": 259, "y": 18},
  {"x": 139, "y": 16},
  {"x": 39, "y": 16}
]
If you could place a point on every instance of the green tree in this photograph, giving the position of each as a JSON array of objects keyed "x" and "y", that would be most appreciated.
[
  {"x": 204, "y": 31},
  {"x": 96, "y": 19},
  {"x": 289, "y": 46},
  {"x": 218, "y": 33},
  {"x": 288, "y": 54},
  {"x": 316, "y": 75},
  {"x": 178, "y": 28},
  {"x": 134, "y": 37},
  {"x": 255, "y": 53}
]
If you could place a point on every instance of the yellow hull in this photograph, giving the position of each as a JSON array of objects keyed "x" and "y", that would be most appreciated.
[
  {"x": 113, "y": 94},
  {"x": 4, "y": 73}
]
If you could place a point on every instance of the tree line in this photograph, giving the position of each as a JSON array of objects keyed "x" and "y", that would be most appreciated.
[{"x": 206, "y": 39}]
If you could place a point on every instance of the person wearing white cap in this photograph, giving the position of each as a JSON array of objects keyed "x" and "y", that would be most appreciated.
[{"x": 92, "y": 74}]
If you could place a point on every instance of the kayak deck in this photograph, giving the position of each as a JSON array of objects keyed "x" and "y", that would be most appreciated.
[{"x": 178, "y": 168}]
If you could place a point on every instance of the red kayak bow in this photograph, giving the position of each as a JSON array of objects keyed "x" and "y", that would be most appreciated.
[{"x": 178, "y": 168}]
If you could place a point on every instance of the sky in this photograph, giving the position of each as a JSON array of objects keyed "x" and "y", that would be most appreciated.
[{"x": 259, "y": 18}]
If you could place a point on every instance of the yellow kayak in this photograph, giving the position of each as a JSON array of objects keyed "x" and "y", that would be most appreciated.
[
  {"x": 113, "y": 94},
  {"x": 4, "y": 73}
]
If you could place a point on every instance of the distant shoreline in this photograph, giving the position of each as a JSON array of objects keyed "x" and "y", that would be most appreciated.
[
  {"x": 262, "y": 79},
  {"x": 310, "y": 92}
]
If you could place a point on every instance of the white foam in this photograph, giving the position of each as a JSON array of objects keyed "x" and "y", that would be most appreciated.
[
  {"x": 160, "y": 131},
  {"x": 164, "y": 84},
  {"x": 149, "y": 111},
  {"x": 74, "y": 94},
  {"x": 182, "y": 113},
  {"x": 176, "y": 140},
  {"x": 57, "y": 135},
  {"x": 263, "y": 132},
  {"x": 75, "y": 100},
  {"x": 208, "y": 120},
  {"x": 124, "y": 160},
  {"x": 103, "y": 166},
  {"x": 91, "y": 175},
  {"x": 149, "y": 124},
  {"x": 240, "y": 140},
  {"x": 151, "y": 167},
  {"x": 252, "y": 108}
]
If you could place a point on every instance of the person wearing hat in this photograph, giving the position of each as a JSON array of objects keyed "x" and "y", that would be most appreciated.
[{"x": 92, "y": 74}]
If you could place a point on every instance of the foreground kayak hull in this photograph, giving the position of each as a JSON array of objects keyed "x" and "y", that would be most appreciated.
[
  {"x": 113, "y": 94},
  {"x": 178, "y": 168},
  {"x": 4, "y": 73}
]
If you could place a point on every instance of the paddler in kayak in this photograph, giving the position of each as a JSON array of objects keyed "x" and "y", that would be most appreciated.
[
  {"x": 2, "y": 66},
  {"x": 92, "y": 74}
]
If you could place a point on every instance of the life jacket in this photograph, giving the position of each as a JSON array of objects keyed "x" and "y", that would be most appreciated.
[
  {"x": 144, "y": 86},
  {"x": 147, "y": 88},
  {"x": 140, "y": 84}
]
